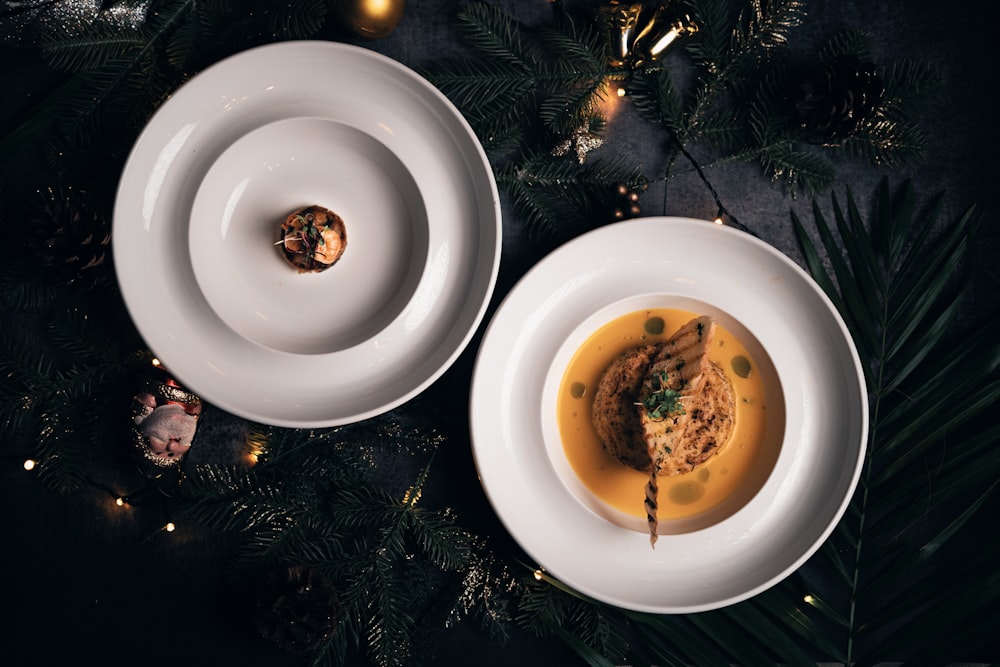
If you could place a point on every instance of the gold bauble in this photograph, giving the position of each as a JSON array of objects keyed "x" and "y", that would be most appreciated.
[{"x": 371, "y": 19}]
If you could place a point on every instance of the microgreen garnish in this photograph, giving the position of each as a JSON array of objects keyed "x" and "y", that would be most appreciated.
[
  {"x": 309, "y": 234},
  {"x": 660, "y": 401}
]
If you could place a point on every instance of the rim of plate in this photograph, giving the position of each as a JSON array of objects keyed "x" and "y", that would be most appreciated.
[
  {"x": 376, "y": 96},
  {"x": 818, "y": 464}
]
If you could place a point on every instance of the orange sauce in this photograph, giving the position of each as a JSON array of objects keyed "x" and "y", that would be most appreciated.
[{"x": 621, "y": 486}]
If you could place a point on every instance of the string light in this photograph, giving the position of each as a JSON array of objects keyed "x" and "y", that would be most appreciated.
[
  {"x": 120, "y": 501},
  {"x": 170, "y": 527},
  {"x": 29, "y": 464},
  {"x": 156, "y": 362},
  {"x": 256, "y": 447},
  {"x": 819, "y": 605},
  {"x": 538, "y": 575},
  {"x": 715, "y": 195}
]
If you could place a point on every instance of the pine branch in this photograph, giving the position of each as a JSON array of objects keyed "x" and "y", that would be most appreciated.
[
  {"x": 765, "y": 26},
  {"x": 495, "y": 34},
  {"x": 296, "y": 20},
  {"x": 656, "y": 97},
  {"x": 911, "y": 87},
  {"x": 96, "y": 46},
  {"x": 714, "y": 40},
  {"x": 551, "y": 194},
  {"x": 887, "y": 143},
  {"x": 797, "y": 168},
  {"x": 850, "y": 42}
]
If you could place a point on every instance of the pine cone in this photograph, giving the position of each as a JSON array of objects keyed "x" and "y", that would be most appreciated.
[
  {"x": 836, "y": 98},
  {"x": 69, "y": 238},
  {"x": 298, "y": 609}
]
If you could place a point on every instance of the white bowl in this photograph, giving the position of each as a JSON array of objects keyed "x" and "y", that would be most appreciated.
[
  {"x": 232, "y": 153},
  {"x": 791, "y": 502}
]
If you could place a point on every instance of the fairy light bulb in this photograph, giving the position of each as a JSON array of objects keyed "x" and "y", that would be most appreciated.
[
  {"x": 29, "y": 464},
  {"x": 538, "y": 575},
  {"x": 120, "y": 501},
  {"x": 170, "y": 527}
]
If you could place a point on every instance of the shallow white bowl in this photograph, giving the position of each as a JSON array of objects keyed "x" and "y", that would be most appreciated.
[
  {"x": 275, "y": 170},
  {"x": 793, "y": 502},
  {"x": 232, "y": 153}
]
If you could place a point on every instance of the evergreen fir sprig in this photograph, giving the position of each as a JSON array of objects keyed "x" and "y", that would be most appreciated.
[
  {"x": 555, "y": 196},
  {"x": 312, "y": 499},
  {"x": 526, "y": 88},
  {"x": 57, "y": 391},
  {"x": 741, "y": 105},
  {"x": 548, "y": 607},
  {"x": 524, "y": 91},
  {"x": 556, "y": 75},
  {"x": 115, "y": 76}
]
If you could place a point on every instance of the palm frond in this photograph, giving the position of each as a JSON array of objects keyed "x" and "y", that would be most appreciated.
[{"x": 894, "y": 281}]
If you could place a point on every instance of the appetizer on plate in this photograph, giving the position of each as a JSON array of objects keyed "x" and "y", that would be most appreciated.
[
  {"x": 664, "y": 407},
  {"x": 312, "y": 239}
]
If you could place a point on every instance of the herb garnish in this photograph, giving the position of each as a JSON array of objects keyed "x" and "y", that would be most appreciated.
[
  {"x": 310, "y": 235},
  {"x": 661, "y": 401}
]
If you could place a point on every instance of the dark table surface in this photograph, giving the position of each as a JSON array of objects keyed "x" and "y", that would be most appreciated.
[{"x": 77, "y": 584}]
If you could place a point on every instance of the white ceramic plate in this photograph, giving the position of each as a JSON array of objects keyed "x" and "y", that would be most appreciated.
[
  {"x": 774, "y": 308},
  {"x": 238, "y": 148}
]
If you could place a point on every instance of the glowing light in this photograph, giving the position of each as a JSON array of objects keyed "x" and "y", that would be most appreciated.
[
  {"x": 156, "y": 362},
  {"x": 170, "y": 527},
  {"x": 256, "y": 447},
  {"x": 29, "y": 464},
  {"x": 809, "y": 599},
  {"x": 538, "y": 575},
  {"x": 120, "y": 501},
  {"x": 610, "y": 98},
  {"x": 718, "y": 221},
  {"x": 412, "y": 495}
]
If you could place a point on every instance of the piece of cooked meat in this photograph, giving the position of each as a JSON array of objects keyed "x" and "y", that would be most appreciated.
[
  {"x": 614, "y": 411},
  {"x": 677, "y": 373},
  {"x": 664, "y": 408},
  {"x": 709, "y": 421}
]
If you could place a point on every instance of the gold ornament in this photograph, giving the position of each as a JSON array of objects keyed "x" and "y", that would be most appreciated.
[
  {"x": 371, "y": 19},
  {"x": 581, "y": 142},
  {"x": 638, "y": 35}
]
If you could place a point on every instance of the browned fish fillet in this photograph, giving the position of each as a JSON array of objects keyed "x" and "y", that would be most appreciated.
[
  {"x": 679, "y": 368},
  {"x": 614, "y": 411},
  {"x": 706, "y": 426},
  {"x": 664, "y": 408}
]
